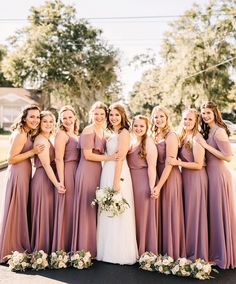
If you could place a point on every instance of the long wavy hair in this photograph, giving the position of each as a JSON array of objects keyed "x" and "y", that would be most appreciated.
[
  {"x": 195, "y": 130},
  {"x": 20, "y": 123},
  {"x": 154, "y": 128},
  {"x": 124, "y": 117},
  {"x": 142, "y": 153},
  {"x": 97, "y": 105},
  {"x": 217, "y": 116},
  {"x": 60, "y": 122}
]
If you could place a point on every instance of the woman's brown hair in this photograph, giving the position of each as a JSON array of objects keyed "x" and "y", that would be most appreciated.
[{"x": 124, "y": 118}]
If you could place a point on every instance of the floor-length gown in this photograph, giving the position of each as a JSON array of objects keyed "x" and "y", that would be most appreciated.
[
  {"x": 146, "y": 208},
  {"x": 42, "y": 206},
  {"x": 63, "y": 225},
  {"x": 15, "y": 228},
  {"x": 116, "y": 237},
  {"x": 222, "y": 211},
  {"x": 87, "y": 179},
  {"x": 195, "y": 188},
  {"x": 172, "y": 219}
]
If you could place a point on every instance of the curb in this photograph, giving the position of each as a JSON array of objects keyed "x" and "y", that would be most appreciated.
[{"x": 3, "y": 165}]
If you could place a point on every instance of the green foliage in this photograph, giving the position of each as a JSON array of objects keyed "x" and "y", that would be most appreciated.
[
  {"x": 198, "y": 54},
  {"x": 3, "y": 81},
  {"x": 61, "y": 55}
]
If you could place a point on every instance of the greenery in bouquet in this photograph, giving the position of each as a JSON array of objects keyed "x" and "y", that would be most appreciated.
[
  {"x": 164, "y": 264},
  {"x": 59, "y": 259},
  {"x": 201, "y": 269},
  {"x": 18, "y": 261},
  {"x": 39, "y": 260},
  {"x": 110, "y": 201},
  {"x": 182, "y": 267},
  {"x": 147, "y": 261},
  {"x": 81, "y": 259}
]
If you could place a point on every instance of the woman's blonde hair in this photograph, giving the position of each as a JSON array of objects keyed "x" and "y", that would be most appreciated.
[
  {"x": 154, "y": 128},
  {"x": 60, "y": 123}
]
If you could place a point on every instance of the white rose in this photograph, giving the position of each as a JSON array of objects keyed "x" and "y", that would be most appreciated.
[
  {"x": 160, "y": 269},
  {"x": 54, "y": 254},
  {"x": 182, "y": 261},
  {"x": 61, "y": 264},
  {"x": 166, "y": 262},
  {"x": 199, "y": 266},
  {"x": 207, "y": 268},
  {"x": 39, "y": 261}
]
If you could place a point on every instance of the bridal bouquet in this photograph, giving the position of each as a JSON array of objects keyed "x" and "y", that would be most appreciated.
[
  {"x": 39, "y": 260},
  {"x": 18, "y": 261},
  {"x": 81, "y": 259},
  {"x": 59, "y": 259},
  {"x": 110, "y": 201}
]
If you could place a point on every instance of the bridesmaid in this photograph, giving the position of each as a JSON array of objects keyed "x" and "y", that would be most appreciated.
[
  {"x": 169, "y": 186},
  {"x": 222, "y": 215},
  {"x": 195, "y": 186},
  {"x": 87, "y": 179},
  {"x": 42, "y": 187},
  {"x": 142, "y": 159},
  {"x": 14, "y": 233},
  {"x": 67, "y": 157}
]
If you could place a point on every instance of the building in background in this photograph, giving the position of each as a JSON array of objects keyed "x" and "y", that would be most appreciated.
[{"x": 12, "y": 101}]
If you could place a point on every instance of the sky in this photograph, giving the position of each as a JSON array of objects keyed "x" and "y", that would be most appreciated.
[{"x": 131, "y": 35}]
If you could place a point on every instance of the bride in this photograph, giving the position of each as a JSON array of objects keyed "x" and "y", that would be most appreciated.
[{"x": 116, "y": 237}]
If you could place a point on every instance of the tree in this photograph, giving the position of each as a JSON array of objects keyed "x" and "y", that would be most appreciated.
[
  {"x": 199, "y": 57},
  {"x": 61, "y": 55},
  {"x": 3, "y": 81}
]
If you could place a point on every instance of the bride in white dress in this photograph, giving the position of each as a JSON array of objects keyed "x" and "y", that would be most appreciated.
[{"x": 116, "y": 237}]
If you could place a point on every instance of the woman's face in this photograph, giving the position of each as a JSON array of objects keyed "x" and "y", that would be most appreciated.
[
  {"x": 32, "y": 119},
  {"x": 160, "y": 119},
  {"x": 68, "y": 119},
  {"x": 47, "y": 124},
  {"x": 115, "y": 118},
  {"x": 189, "y": 121},
  {"x": 139, "y": 127},
  {"x": 207, "y": 115},
  {"x": 99, "y": 116}
]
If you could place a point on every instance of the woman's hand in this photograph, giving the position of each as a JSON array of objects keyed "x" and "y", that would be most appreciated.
[
  {"x": 173, "y": 161},
  {"x": 37, "y": 149},
  {"x": 156, "y": 192},
  {"x": 61, "y": 188}
]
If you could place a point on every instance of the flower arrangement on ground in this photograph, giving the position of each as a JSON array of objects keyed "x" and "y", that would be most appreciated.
[
  {"x": 18, "y": 261},
  {"x": 81, "y": 259},
  {"x": 59, "y": 259},
  {"x": 110, "y": 201},
  {"x": 199, "y": 269},
  {"x": 39, "y": 260}
]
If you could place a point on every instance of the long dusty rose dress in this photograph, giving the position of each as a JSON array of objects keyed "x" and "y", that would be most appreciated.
[
  {"x": 64, "y": 203},
  {"x": 42, "y": 206},
  {"x": 87, "y": 179},
  {"x": 172, "y": 219},
  {"x": 195, "y": 186},
  {"x": 222, "y": 215},
  {"x": 15, "y": 230},
  {"x": 146, "y": 208}
]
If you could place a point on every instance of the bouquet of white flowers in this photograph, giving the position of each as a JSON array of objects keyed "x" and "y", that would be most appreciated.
[
  {"x": 18, "y": 261},
  {"x": 39, "y": 260},
  {"x": 164, "y": 264},
  {"x": 147, "y": 261},
  {"x": 182, "y": 267},
  {"x": 110, "y": 201},
  {"x": 201, "y": 269},
  {"x": 59, "y": 259},
  {"x": 81, "y": 259}
]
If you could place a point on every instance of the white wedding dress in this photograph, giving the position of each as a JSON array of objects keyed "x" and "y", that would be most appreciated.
[{"x": 116, "y": 236}]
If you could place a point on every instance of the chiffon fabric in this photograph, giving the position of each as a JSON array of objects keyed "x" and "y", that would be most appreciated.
[
  {"x": 87, "y": 179},
  {"x": 146, "y": 208},
  {"x": 15, "y": 226},
  {"x": 42, "y": 206},
  {"x": 116, "y": 237},
  {"x": 195, "y": 187},
  {"x": 64, "y": 203},
  {"x": 172, "y": 215},
  {"x": 222, "y": 215}
]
